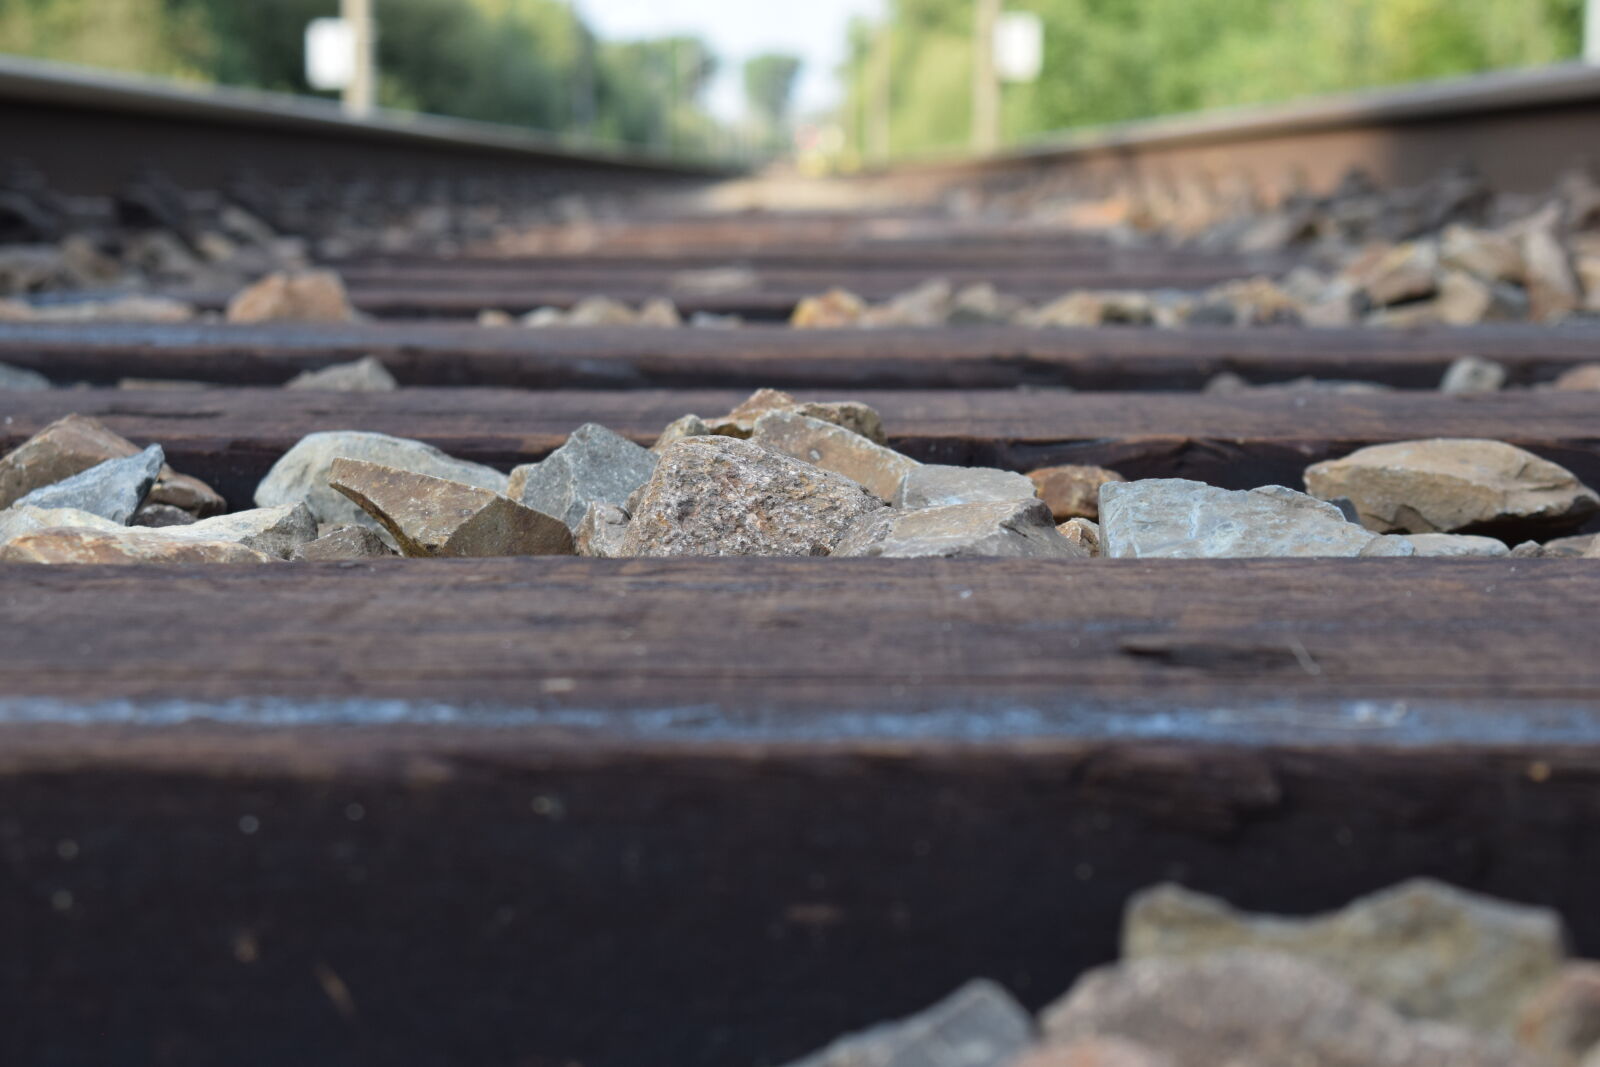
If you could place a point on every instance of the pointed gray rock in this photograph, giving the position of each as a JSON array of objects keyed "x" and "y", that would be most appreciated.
[
  {"x": 367, "y": 375},
  {"x": 979, "y": 1025},
  {"x": 934, "y": 485},
  {"x": 1010, "y": 529},
  {"x": 113, "y": 489},
  {"x": 595, "y": 466},
  {"x": 302, "y": 473},
  {"x": 1171, "y": 518}
]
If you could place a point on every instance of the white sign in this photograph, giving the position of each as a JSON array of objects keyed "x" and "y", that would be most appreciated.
[
  {"x": 330, "y": 54},
  {"x": 1019, "y": 46}
]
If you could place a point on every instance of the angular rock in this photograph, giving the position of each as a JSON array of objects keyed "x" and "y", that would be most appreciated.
[
  {"x": 935, "y": 485},
  {"x": 1085, "y": 533},
  {"x": 926, "y": 305},
  {"x": 836, "y": 449},
  {"x": 1528, "y": 550},
  {"x": 1593, "y": 551},
  {"x": 1171, "y": 518},
  {"x": 601, "y": 311},
  {"x": 659, "y": 312},
  {"x": 1258, "y": 1009},
  {"x": 602, "y": 532},
  {"x": 593, "y": 466},
  {"x": 434, "y": 517},
  {"x": 144, "y": 309},
  {"x": 305, "y": 296},
  {"x": 979, "y": 1025},
  {"x": 113, "y": 489},
  {"x": 72, "y": 445},
  {"x": 1406, "y": 272},
  {"x": 1073, "y": 492},
  {"x": 678, "y": 429},
  {"x": 123, "y": 546},
  {"x": 1553, "y": 288},
  {"x": 1466, "y": 301},
  {"x": 367, "y": 375},
  {"x": 832, "y": 310},
  {"x": 983, "y": 304},
  {"x": 276, "y": 531},
  {"x": 719, "y": 496},
  {"x": 1425, "y": 949},
  {"x": 302, "y": 473},
  {"x": 1584, "y": 378},
  {"x": 1493, "y": 257},
  {"x": 1463, "y": 545},
  {"x": 1455, "y": 485},
  {"x": 850, "y": 414},
  {"x": 344, "y": 543},
  {"x": 1010, "y": 529},
  {"x": 1571, "y": 547},
  {"x": 160, "y": 516},
  {"x": 1561, "y": 1020},
  {"x": 26, "y": 519},
  {"x": 1473, "y": 374},
  {"x": 19, "y": 380}
]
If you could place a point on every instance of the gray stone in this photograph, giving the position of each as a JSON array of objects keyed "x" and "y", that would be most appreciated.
[
  {"x": 123, "y": 546},
  {"x": 1171, "y": 518},
  {"x": 1011, "y": 529},
  {"x": 833, "y": 448},
  {"x": 1259, "y": 1009},
  {"x": 1425, "y": 949},
  {"x": 1456, "y": 485},
  {"x": 276, "y": 531},
  {"x": 594, "y": 466},
  {"x": 935, "y": 485},
  {"x": 720, "y": 496},
  {"x": 367, "y": 375},
  {"x": 1473, "y": 374},
  {"x": 302, "y": 473},
  {"x": 113, "y": 489},
  {"x": 24, "y": 519},
  {"x": 1562, "y": 1019},
  {"x": 980, "y": 1025},
  {"x": 343, "y": 543},
  {"x": 430, "y": 516},
  {"x": 20, "y": 380},
  {"x": 160, "y": 516},
  {"x": 603, "y": 532},
  {"x": 1464, "y": 545},
  {"x": 678, "y": 429},
  {"x": 1572, "y": 547}
]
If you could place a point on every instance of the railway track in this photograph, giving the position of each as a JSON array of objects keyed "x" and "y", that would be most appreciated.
[{"x": 717, "y": 811}]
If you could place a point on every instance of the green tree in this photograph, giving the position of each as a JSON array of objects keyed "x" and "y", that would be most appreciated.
[{"x": 769, "y": 82}]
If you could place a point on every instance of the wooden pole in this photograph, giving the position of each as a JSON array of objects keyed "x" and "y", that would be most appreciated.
[{"x": 360, "y": 96}]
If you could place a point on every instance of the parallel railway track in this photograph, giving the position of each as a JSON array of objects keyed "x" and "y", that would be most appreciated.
[{"x": 714, "y": 811}]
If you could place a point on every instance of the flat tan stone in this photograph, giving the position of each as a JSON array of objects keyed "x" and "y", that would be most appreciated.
[
  {"x": 129, "y": 545},
  {"x": 303, "y": 296},
  {"x": 1073, "y": 492},
  {"x": 1406, "y": 272},
  {"x": 832, "y": 310},
  {"x": 22, "y": 519},
  {"x": 1006, "y": 529},
  {"x": 433, "y": 517},
  {"x": 1584, "y": 378},
  {"x": 1451, "y": 486},
  {"x": 835, "y": 449},
  {"x": 1084, "y": 533}
]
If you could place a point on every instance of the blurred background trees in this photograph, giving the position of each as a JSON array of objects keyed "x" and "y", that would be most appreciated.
[{"x": 1113, "y": 60}]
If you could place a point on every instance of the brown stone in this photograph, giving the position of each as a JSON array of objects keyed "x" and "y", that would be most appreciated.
[
  {"x": 343, "y": 543},
  {"x": 1484, "y": 254},
  {"x": 1008, "y": 529},
  {"x": 1459, "y": 485},
  {"x": 161, "y": 516},
  {"x": 72, "y": 445},
  {"x": 433, "y": 517},
  {"x": 1073, "y": 492},
  {"x": 303, "y": 296},
  {"x": 187, "y": 494},
  {"x": 126, "y": 546},
  {"x": 832, "y": 310},
  {"x": 1571, "y": 547},
  {"x": 835, "y": 449},
  {"x": 719, "y": 496},
  {"x": 1084, "y": 533},
  {"x": 1562, "y": 1019},
  {"x": 1258, "y": 1009},
  {"x": 688, "y": 426},
  {"x": 1584, "y": 378},
  {"x": 1552, "y": 284},
  {"x": 1406, "y": 272}
]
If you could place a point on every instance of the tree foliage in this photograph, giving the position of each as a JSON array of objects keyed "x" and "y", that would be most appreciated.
[
  {"x": 769, "y": 82},
  {"x": 523, "y": 62},
  {"x": 1114, "y": 60}
]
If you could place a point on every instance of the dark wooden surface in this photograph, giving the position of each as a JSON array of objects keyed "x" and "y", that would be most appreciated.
[
  {"x": 230, "y": 437},
  {"x": 715, "y": 812},
  {"x": 963, "y": 358}
]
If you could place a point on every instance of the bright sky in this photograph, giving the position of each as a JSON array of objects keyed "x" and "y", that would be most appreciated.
[{"x": 739, "y": 29}]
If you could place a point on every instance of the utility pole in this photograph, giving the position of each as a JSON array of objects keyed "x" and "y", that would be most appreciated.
[
  {"x": 361, "y": 95},
  {"x": 985, "y": 79},
  {"x": 1591, "y": 32}
]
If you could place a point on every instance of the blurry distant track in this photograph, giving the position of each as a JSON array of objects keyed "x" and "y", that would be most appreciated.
[{"x": 713, "y": 812}]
